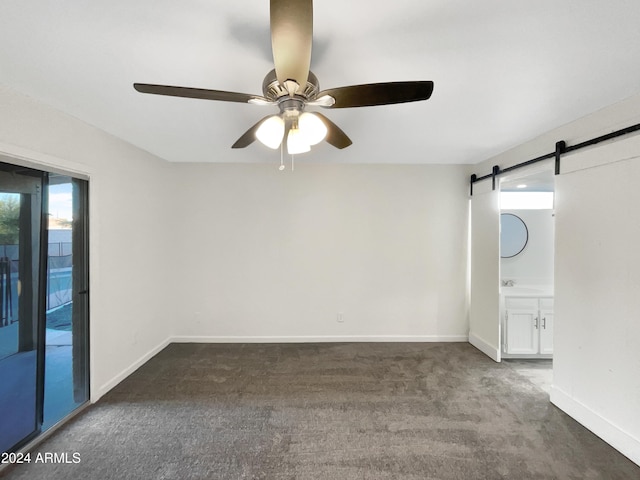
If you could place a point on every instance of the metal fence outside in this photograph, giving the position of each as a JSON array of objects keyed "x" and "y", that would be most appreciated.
[{"x": 59, "y": 279}]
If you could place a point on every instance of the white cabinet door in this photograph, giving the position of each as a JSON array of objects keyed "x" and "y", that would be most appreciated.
[
  {"x": 546, "y": 332},
  {"x": 546, "y": 325},
  {"x": 528, "y": 325},
  {"x": 522, "y": 331}
]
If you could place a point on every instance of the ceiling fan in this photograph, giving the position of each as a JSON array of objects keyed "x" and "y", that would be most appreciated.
[{"x": 292, "y": 87}]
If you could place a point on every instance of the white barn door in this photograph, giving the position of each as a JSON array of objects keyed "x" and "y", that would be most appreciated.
[{"x": 484, "y": 308}]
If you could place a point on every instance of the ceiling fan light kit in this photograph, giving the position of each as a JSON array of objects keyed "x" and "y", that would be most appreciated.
[{"x": 292, "y": 87}]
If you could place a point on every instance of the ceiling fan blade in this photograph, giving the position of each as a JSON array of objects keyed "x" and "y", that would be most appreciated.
[
  {"x": 372, "y": 94},
  {"x": 249, "y": 136},
  {"x": 200, "y": 93},
  {"x": 291, "y": 39},
  {"x": 335, "y": 136}
]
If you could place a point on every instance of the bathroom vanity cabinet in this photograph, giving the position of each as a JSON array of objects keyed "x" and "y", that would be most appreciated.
[{"x": 528, "y": 326}]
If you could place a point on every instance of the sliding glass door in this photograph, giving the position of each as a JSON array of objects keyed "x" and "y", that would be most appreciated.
[{"x": 43, "y": 301}]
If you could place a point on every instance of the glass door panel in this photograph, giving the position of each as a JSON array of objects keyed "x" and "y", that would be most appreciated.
[
  {"x": 21, "y": 203},
  {"x": 66, "y": 375}
]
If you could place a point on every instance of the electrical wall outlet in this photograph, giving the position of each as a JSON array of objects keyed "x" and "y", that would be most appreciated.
[{"x": 340, "y": 317}]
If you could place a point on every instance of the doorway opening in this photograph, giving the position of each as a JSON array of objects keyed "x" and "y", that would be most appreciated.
[{"x": 526, "y": 272}]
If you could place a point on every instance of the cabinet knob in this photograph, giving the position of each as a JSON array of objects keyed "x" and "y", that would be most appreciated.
[
  {"x": 535, "y": 322},
  {"x": 544, "y": 322}
]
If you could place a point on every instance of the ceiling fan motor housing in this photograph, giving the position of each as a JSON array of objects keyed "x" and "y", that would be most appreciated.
[{"x": 273, "y": 90}]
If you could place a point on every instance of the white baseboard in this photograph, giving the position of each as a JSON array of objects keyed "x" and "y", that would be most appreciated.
[
  {"x": 319, "y": 338},
  {"x": 625, "y": 443},
  {"x": 95, "y": 395},
  {"x": 485, "y": 347}
]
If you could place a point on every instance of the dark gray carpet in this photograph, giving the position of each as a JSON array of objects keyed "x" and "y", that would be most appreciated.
[{"x": 327, "y": 411}]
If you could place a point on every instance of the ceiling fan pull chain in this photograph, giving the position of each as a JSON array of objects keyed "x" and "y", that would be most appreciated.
[{"x": 281, "y": 167}]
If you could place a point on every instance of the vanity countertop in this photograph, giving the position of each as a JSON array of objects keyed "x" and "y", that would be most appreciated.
[{"x": 527, "y": 291}]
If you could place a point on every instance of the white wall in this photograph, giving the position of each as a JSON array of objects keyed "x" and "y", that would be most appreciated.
[
  {"x": 596, "y": 332},
  {"x": 534, "y": 265},
  {"x": 131, "y": 278},
  {"x": 272, "y": 255}
]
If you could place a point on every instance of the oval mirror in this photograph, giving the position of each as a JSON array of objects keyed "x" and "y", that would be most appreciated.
[{"x": 513, "y": 235}]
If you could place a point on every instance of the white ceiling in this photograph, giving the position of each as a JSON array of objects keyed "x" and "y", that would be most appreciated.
[
  {"x": 539, "y": 181},
  {"x": 505, "y": 71}
]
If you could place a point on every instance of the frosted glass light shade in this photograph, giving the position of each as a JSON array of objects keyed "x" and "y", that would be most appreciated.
[
  {"x": 312, "y": 127},
  {"x": 297, "y": 142},
  {"x": 271, "y": 131}
]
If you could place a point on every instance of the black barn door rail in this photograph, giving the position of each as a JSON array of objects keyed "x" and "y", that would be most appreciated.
[{"x": 561, "y": 148}]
